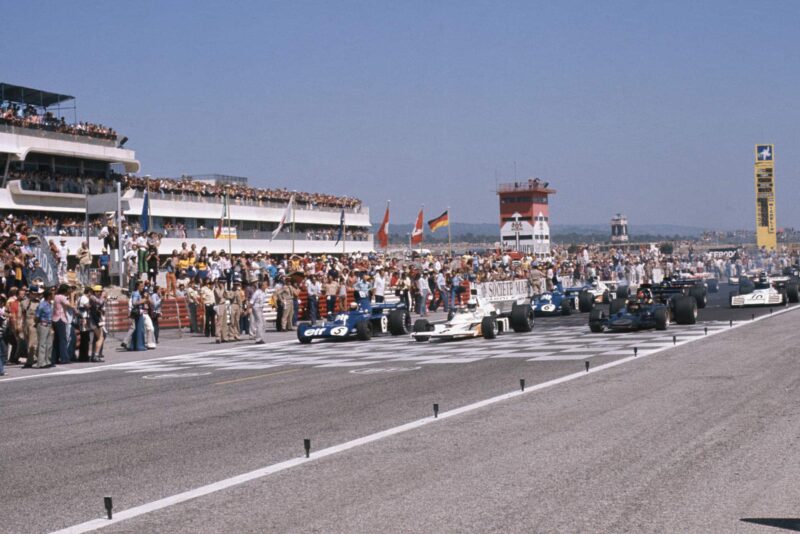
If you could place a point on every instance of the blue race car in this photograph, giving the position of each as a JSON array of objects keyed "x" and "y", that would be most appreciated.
[
  {"x": 555, "y": 302},
  {"x": 359, "y": 323}
]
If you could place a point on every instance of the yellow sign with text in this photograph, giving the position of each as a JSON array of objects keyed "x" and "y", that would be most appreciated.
[{"x": 766, "y": 227}]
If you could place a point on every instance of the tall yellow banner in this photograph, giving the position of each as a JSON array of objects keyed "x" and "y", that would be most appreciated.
[{"x": 766, "y": 231}]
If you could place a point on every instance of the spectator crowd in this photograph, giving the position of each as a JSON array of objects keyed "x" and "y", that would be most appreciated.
[{"x": 29, "y": 116}]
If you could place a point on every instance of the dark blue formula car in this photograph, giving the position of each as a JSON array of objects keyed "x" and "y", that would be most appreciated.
[
  {"x": 644, "y": 311},
  {"x": 359, "y": 323}
]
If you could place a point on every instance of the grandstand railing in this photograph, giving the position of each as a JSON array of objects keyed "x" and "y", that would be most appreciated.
[
  {"x": 80, "y": 231},
  {"x": 191, "y": 197},
  {"x": 49, "y": 134}
]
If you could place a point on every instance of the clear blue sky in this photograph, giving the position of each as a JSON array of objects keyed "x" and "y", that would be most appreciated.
[{"x": 649, "y": 108}]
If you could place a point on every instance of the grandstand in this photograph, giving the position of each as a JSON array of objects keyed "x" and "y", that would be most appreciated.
[{"x": 49, "y": 164}]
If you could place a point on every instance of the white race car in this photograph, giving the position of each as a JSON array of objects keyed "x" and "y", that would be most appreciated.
[
  {"x": 478, "y": 318},
  {"x": 764, "y": 292}
]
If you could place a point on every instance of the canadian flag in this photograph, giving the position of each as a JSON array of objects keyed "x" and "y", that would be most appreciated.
[
  {"x": 416, "y": 233},
  {"x": 383, "y": 231}
]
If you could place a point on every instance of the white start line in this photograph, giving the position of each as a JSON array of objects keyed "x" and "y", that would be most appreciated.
[{"x": 221, "y": 485}]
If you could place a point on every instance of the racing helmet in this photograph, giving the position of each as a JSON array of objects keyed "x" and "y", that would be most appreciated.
[
  {"x": 353, "y": 306},
  {"x": 472, "y": 304},
  {"x": 595, "y": 283},
  {"x": 762, "y": 278}
]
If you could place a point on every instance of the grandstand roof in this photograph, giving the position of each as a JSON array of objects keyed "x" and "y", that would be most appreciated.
[{"x": 27, "y": 95}]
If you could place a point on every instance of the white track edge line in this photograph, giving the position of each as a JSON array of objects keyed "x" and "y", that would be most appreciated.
[{"x": 236, "y": 480}]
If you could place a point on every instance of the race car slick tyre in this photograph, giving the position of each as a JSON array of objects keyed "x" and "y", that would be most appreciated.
[
  {"x": 784, "y": 298},
  {"x": 661, "y": 316},
  {"x": 793, "y": 293},
  {"x": 489, "y": 327},
  {"x": 685, "y": 311},
  {"x": 616, "y": 305},
  {"x": 699, "y": 294},
  {"x": 521, "y": 318},
  {"x": 596, "y": 319},
  {"x": 399, "y": 322},
  {"x": 585, "y": 301},
  {"x": 623, "y": 292},
  {"x": 301, "y": 333},
  {"x": 746, "y": 286},
  {"x": 713, "y": 285},
  {"x": 566, "y": 307},
  {"x": 364, "y": 331},
  {"x": 422, "y": 325}
]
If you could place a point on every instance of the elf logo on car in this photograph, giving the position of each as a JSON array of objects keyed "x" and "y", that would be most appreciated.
[{"x": 314, "y": 332}]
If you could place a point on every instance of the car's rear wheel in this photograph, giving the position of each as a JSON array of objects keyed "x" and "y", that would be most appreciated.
[
  {"x": 399, "y": 322},
  {"x": 713, "y": 285},
  {"x": 746, "y": 286},
  {"x": 522, "y": 318},
  {"x": 615, "y": 306},
  {"x": 489, "y": 327},
  {"x": 585, "y": 301},
  {"x": 364, "y": 330},
  {"x": 662, "y": 318},
  {"x": 623, "y": 292},
  {"x": 793, "y": 293},
  {"x": 699, "y": 294},
  {"x": 685, "y": 310}
]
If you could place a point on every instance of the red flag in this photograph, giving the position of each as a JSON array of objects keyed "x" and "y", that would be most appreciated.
[
  {"x": 383, "y": 231},
  {"x": 416, "y": 234}
]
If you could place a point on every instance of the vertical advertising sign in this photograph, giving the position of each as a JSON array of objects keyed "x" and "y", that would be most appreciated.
[{"x": 766, "y": 230}]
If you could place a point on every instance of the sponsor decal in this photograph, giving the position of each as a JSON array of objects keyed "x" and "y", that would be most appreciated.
[
  {"x": 339, "y": 331},
  {"x": 504, "y": 291}
]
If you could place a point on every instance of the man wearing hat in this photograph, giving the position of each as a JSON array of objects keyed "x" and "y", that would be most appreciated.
[
  {"x": 27, "y": 311},
  {"x": 63, "y": 253},
  {"x": 97, "y": 322},
  {"x": 237, "y": 305}
]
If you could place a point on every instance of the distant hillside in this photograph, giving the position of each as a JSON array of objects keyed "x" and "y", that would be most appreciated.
[{"x": 492, "y": 231}]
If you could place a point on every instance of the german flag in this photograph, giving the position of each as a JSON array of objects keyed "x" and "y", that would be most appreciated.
[{"x": 439, "y": 222}]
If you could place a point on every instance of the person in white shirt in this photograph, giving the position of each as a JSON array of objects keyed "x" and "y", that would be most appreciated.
[
  {"x": 379, "y": 286},
  {"x": 257, "y": 302},
  {"x": 314, "y": 289}
]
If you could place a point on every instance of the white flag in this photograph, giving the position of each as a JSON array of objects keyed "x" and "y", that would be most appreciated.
[{"x": 287, "y": 212}]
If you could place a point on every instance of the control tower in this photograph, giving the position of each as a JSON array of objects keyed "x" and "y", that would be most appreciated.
[
  {"x": 525, "y": 216},
  {"x": 619, "y": 229}
]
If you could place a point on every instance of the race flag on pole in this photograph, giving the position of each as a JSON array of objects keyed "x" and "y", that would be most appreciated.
[
  {"x": 144, "y": 220},
  {"x": 439, "y": 222},
  {"x": 218, "y": 232},
  {"x": 340, "y": 235},
  {"x": 286, "y": 213},
  {"x": 416, "y": 234},
  {"x": 383, "y": 231}
]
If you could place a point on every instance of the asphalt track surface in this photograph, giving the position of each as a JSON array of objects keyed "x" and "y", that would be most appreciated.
[{"x": 700, "y": 436}]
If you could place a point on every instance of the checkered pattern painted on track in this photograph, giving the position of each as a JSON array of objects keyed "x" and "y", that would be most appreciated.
[{"x": 550, "y": 344}]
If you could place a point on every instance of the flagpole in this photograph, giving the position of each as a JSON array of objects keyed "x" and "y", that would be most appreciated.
[
  {"x": 228, "y": 209},
  {"x": 449, "y": 238},
  {"x": 344, "y": 232},
  {"x": 292, "y": 201},
  {"x": 149, "y": 211}
]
